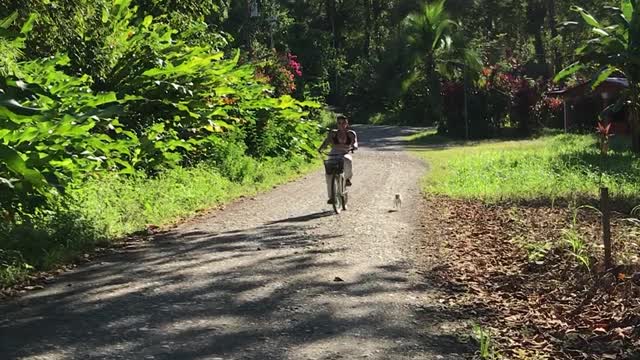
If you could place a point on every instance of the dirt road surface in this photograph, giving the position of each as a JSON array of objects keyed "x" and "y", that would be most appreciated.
[{"x": 278, "y": 276}]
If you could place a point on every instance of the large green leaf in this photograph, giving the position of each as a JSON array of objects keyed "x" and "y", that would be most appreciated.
[
  {"x": 147, "y": 21},
  {"x": 26, "y": 134},
  {"x": 568, "y": 71},
  {"x": 626, "y": 6},
  {"x": 101, "y": 99},
  {"x": 602, "y": 75},
  {"x": 588, "y": 18},
  {"x": 28, "y": 25},
  {"x": 8, "y": 21},
  {"x": 16, "y": 163}
]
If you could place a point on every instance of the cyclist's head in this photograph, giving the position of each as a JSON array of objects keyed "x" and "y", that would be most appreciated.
[{"x": 343, "y": 122}]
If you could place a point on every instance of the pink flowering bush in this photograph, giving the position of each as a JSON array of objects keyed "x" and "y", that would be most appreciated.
[
  {"x": 281, "y": 71},
  {"x": 293, "y": 64},
  {"x": 523, "y": 93}
]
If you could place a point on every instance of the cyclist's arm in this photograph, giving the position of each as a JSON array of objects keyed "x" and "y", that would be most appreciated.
[
  {"x": 324, "y": 143},
  {"x": 354, "y": 144}
]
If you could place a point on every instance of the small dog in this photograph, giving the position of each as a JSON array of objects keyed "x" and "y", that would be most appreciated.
[{"x": 397, "y": 202}]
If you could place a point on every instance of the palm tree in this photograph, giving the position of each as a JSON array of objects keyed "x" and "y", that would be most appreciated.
[
  {"x": 427, "y": 35},
  {"x": 461, "y": 61},
  {"x": 614, "y": 49}
]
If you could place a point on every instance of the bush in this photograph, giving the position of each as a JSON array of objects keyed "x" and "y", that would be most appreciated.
[
  {"x": 169, "y": 105},
  {"x": 160, "y": 113},
  {"x": 548, "y": 113}
]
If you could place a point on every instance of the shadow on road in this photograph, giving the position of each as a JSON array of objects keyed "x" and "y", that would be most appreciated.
[
  {"x": 200, "y": 295},
  {"x": 304, "y": 218}
]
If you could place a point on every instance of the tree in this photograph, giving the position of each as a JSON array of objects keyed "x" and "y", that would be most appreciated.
[
  {"x": 427, "y": 33},
  {"x": 614, "y": 49},
  {"x": 536, "y": 12}
]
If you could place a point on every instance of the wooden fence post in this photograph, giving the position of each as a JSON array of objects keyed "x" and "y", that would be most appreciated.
[{"x": 606, "y": 227}]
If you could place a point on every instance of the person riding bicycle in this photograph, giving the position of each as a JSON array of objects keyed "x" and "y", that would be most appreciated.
[{"x": 342, "y": 140}]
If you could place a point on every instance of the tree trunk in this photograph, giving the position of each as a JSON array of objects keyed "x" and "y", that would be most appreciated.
[
  {"x": 434, "y": 98},
  {"x": 489, "y": 20},
  {"x": 634, "y": 124},
  {"x": 541, "y": 54},
  {"x": 330, "y": 6},
  {"x": 536, "y": 12},
  {"x": 376, "y": 12},
  {"x": 557, "y": 57},
  {"x": 367, "y": 26}
]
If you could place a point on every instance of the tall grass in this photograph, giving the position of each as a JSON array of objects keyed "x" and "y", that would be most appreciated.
[
  {"x": 550, "y": 167},
  {"x": 100, "y": 211}
]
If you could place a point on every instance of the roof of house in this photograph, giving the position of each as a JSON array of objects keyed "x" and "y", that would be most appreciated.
[{"x": 610, "y": 85}]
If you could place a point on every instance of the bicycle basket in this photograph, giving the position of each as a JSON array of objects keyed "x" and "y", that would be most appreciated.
[{"x": 334, "y": 166}]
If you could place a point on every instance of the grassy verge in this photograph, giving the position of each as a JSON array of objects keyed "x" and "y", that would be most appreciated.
[
  {"x": 102, "y": 210},
  {"x": 550, "y": 167}
]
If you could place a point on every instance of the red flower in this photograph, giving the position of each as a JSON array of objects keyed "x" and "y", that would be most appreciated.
[
  {"x": 293, "y": 64},
  {"x": 554, "y": 103}
]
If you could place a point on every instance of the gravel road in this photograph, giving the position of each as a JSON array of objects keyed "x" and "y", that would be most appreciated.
[{"x": 277, "y": 276}]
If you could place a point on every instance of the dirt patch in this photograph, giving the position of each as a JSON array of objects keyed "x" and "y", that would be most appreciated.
[{"x": 516, "y": 268}]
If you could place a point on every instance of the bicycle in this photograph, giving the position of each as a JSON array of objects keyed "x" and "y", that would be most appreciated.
[{"x": 334, "y": 166}]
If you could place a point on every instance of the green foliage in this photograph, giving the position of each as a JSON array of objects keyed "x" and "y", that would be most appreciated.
[
  {"x": 487, "y": 350},
  {"x": 171, "y": 102},
  {"x": 152, "y": 101},
  {"x": 214, "y": 10},
  {"x": 577, "y": 247},
  {"x": 48, "y": 134},
  {"x": 427, "y": 34},
  {"x": 536, "y": 250},
  {"x": 326, "y": 118},
  {"x": 13, "y": 267},
  {"x": 613, "y": 48},
  {"x": 122, "y": 205},
  {"x": 88, "y": 31}
]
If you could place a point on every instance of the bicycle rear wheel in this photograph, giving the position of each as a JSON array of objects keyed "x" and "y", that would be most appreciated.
[{"x": 336, "y": 194}]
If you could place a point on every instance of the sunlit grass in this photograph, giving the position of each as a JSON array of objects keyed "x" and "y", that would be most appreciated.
[{"x": 550, "y": 167}]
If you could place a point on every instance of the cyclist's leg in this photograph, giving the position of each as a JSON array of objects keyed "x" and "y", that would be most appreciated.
[{"x": 329, "y": 179}]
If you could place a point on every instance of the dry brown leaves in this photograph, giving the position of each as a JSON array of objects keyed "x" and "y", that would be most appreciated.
[{"x": 553, "y": 305}]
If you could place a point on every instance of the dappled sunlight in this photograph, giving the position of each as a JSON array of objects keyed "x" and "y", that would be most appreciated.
[
  {"x": 220, "y": 324},
  {"x": 322, "y": 346},
  {"x": 97, "y": 295},
  {"x": 129, "y": 322},
  {"x": 279, "y": 285},
  {"x": 247, "y": 295},
  {"x": 51, "y": 355}
]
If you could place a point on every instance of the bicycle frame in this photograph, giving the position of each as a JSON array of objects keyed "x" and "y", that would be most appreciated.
[{"x": 334, "y": 166}]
